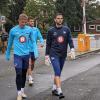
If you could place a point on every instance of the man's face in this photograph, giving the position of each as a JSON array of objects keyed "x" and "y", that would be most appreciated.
[
  {"x": 22, "y": 22},
  {"x": 59, "y": 20},
  {"x": 31, "y": 22}
]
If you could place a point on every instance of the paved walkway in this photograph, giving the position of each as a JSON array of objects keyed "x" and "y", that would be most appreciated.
[
  {"x": 84, "y": 86},
  {"x": 42, "y": 73}
]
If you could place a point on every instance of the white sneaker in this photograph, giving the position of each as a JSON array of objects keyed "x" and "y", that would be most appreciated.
[
  {"x": 31, "y": 82},
  {"x": 30, "y": 77},
  {"x": 24, "y": 95},
  {"x": 19, "y": 97}
]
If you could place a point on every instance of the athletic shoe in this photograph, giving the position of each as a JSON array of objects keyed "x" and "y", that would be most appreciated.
[
  {"x": 54, "y": 92},
  {"x": 31, "y": 82},
  {"x": 61, "y": 96},
  {"x": 19, "y": 97},
  {"x": 24, "y": 96}
]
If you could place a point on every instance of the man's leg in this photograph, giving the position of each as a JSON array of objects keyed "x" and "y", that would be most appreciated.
[
  {"x": 30, "y": 69},
  {"x": 62, "y": 61},
  {"x": 25, "y": 65},
  {"x": 57, "y": 81},
  {"x": 18, "y": 69},
  {"x": 18, "y": 82},
  {"x": 24, "y": 72}
]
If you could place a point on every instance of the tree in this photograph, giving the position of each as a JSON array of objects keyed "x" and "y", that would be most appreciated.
[
  {"x": 31, "y": 8},
  {"x": 4, "y": 7},
  {"x": 92, "y": 10},
  {"x": 16, "y": 7},
  {"x": 42, "y": 10},
  {"x": 71, "y": 10}
]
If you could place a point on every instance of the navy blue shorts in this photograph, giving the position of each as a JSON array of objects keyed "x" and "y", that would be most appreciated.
[
  {"x": 57, "y": 63},
  {"x": 21, "y": 62},
  {"x": 32, "y": 56}
]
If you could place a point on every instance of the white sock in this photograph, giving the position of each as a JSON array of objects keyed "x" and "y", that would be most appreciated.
[
  {"x": 59, "y": 90},
  {"x": 22, "y": 90},
  {"x": 19, "y": 92},
  {"x": 30, "y": 77},
  {"x": 54, "y": 87}
]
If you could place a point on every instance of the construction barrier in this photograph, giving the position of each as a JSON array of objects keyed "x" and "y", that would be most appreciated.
[{"x": 83, "y": 42}]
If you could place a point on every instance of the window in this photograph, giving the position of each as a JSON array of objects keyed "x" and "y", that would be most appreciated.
[
  {"x": 76, "y": 28},
  {"x": 98, "y": 28},
  {"x": 91, "y": 26}
]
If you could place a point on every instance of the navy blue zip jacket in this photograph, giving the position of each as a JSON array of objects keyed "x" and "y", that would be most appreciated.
[{"x": 58, "y": 40}]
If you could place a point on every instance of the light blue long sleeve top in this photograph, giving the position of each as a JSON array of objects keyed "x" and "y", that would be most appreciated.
[
  {"x": 19, "y": 38},
  {"x": 37, "y": 36}
]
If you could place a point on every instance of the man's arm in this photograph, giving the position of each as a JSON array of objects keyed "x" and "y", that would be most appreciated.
[
  {"x": 48, "y": 42},
  {"x": 48, "y": 47},
  {"x": 34, "y": 43},
  {"x": 40, "y": 37},
  {"x": 70, "y": 41},
  {"x": 10, "y": 42}
]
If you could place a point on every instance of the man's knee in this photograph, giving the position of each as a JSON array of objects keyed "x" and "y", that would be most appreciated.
[
  {"x": 32, "y": 66},
  {"x": 58, "y": 73},
  {"x": 18, "y": 72}
]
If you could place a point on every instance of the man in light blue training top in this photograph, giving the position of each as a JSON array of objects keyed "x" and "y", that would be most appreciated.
[
  {"x": 19, "y": 37},
  {"x": 32, "y": 59}
]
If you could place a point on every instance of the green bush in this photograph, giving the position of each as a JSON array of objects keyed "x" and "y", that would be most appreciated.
[{"x": 74, "y": 34}]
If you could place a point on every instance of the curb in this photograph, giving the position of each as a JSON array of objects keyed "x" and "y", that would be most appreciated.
[{"x": 87, "y": 53}]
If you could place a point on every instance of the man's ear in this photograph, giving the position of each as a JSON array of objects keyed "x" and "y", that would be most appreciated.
[{"x": 54, "y": 20}]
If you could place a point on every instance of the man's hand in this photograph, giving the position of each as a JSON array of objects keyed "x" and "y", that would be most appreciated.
[
  {"x": 47, "y": 60},
  {"x": 41, "y": 45},
  {"x": 72, "y": 53},
  {"x": 7, "y": 56}
]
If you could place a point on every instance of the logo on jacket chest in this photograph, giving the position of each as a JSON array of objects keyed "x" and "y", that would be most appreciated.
[
  {"x": 55, "y": 34},
  {"x": 22, "y": 39},
  {"x": 64, "y": 32},
  {"x": 60, "y": 39}
]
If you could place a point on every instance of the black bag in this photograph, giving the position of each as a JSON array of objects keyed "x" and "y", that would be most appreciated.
[{"x": 4, "y": 37}]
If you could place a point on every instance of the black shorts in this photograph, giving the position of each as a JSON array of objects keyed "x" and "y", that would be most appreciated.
[{"x": 32, "y": 56}]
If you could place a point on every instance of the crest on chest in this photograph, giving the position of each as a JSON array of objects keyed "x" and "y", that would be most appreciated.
[
  {"x": 22, "y": 39},
  {"x": 60, "y": 39}
]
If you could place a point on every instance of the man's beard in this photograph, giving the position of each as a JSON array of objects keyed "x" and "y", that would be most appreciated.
[{"x": 59, "y": 24}]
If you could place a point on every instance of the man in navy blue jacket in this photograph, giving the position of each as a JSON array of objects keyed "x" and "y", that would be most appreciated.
[{"x": 58, "y": 38}]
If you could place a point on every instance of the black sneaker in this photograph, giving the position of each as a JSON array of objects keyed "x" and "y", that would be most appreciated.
[
  {"x": 61, "y": 96},
  {"x": 54, "y": 92}
]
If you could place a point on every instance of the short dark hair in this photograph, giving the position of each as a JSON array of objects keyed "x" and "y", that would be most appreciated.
[
  {"x": 30, "y": 17},
  {"x": 58, "y": 14}
]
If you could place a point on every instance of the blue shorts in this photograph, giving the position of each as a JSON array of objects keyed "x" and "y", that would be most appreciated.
[
  {"x": 57, "y": 63},
  {"x": 21, "y": 62},
  {"x": 32, "y": 56}
]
